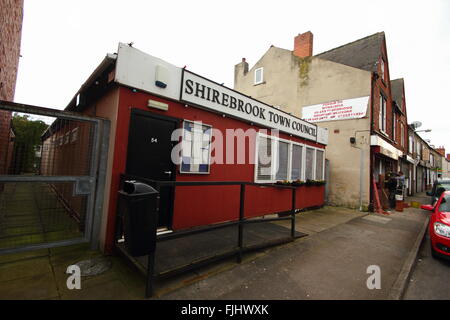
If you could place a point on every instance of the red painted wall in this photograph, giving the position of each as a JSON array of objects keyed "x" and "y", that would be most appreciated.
[{"x": 196, "y": 206}]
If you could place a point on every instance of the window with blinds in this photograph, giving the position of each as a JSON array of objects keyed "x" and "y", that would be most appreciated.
[
  {"x": 296, "y": 162},
  {"x": 309, "y": 173},
  {"x": 279, "y": 160},
  {"x": 264, "y": 169},
  {"x": 319, "y": 164},
  {"x": 283, "y": 161}
]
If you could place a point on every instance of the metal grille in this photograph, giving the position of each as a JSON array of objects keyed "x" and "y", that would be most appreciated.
[
  {"x": 52, "y": 179},
  {"x": 35, "y": 212},
  {"x": 49, "y": 146}
]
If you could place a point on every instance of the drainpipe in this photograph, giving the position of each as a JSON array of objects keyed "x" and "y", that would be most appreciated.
[
  {"x": 361, "y": 166},
  {"x": 374, "y": 76}
]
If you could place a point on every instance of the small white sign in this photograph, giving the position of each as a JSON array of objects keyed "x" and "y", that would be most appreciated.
[
  {"x": 158, "y": 105},
  {"x": 322, "y": 135},
  {"x": 336, "y": 110}
]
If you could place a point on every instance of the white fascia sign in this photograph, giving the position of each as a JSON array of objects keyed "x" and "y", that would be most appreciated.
[
  {"x": 205, "y": 93},
  {"x": 410, "y": 159},
  {"x": 336, "y": 110},
  {"x": 385, "y": 148},
  {"x": 139, "y": 70},
  {"x": 322, "y": 135}
]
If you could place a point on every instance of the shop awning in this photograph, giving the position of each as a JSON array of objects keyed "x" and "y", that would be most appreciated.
[
  {"x": 410, "y": 159},
  {"x": 385, "y": 147}
]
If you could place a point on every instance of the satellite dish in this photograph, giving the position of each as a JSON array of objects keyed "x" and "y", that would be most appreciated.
[{"x": 416, "y": 124}]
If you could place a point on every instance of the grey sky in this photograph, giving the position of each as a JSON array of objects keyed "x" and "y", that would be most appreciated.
[{"x": 63, "y": 42}]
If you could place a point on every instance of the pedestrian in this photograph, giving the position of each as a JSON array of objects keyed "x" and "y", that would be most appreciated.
[
  {"x": 391, "y": 185},
  {"x": 401, "y": 183},
  {"x": 401, "y": 178}
]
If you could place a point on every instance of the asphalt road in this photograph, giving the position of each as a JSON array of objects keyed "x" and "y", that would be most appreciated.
[{"x": 430, "y": 279}]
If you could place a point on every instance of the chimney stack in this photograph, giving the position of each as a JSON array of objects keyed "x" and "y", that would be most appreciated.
[
  {"x": 441, "y": 151},
  {"x": 448, "y": 156},
  {"x": 241, "y": 69},
  {"x": 303, "y": 45}
]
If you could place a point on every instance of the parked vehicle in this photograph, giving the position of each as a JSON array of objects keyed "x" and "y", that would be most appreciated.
[
  {"x": 439, "y": 226},
  {"x": 440, "y": 183}
]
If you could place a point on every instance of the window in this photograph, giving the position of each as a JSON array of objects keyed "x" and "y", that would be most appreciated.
[
  {"x": 319, "y": 165},
  {"x": 382, "y": 68},
  {"x": 259, "y": 75},
  {"x": 445, "y": 204},
  {"x": 402, "y": 135},
  {"x": 283, "y": 160},
  {"x": 296, "y": 162},
  {"x": 74, "y": 135},
  {"x": 411, "y": 144},
  {"x": 195, "y": 152},
  {"x": 264, "y": 171},
  {"x": 309, "y": 170},
  {"x": 382, "y": 114},
  {"x": 279, "y": 159},
  {"x": 394, "y": 124},
  {"x": 67, "y": 138}
]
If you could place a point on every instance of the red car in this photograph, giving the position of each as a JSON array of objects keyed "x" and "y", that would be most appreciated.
[{"x": 440, "y": 225}]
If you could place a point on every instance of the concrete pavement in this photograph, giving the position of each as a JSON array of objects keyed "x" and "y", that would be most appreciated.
[{"x": 330, "y": 263}]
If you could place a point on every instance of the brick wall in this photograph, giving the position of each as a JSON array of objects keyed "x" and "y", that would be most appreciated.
[
  {"x": 303, "y": 45},
  {"x": 402, "y": 119},
  {"x": 382, "y": 86},
  {"x": 10, "y": 34}
]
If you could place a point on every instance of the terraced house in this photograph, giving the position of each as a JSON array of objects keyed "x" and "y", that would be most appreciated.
[
  {"x": 400, "y": 132},
  {"x": 346, "y": 90}
]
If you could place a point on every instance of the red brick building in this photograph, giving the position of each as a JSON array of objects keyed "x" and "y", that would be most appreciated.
[
  {"x": 400, "y": 132},
  {"x": 370, "y": 54},
  {"x": 10, "y": 35}
]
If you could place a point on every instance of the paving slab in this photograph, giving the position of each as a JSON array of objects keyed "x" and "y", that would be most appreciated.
[
  {"x": 314, "y": 221},
  {"x": 37, "y": 287},
  {"x": 24, "y": 269},
  {"x": 111, "y": 290},
  {"x": 174, "y": 253},
  {"x": 15, "y": 257}
]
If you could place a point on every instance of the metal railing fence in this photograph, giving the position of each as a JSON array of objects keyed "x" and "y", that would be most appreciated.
[{"x": 52, "y": 180}]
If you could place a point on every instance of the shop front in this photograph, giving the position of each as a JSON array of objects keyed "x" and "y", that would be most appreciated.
[
  {"x": 407, "y": 167},
  {"x": 385, "y": 159}
]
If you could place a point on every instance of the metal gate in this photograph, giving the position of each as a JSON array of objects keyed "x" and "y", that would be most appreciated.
[{"x": 52, "y": 177}]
